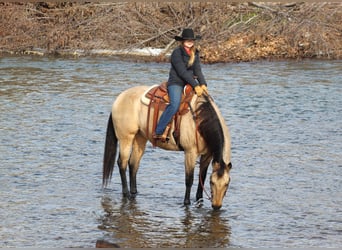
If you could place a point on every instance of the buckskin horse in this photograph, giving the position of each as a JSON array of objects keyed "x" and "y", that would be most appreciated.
[{"x": 199, "y": 130}]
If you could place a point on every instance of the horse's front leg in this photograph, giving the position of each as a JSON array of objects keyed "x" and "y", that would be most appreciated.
[
  {"x": 190, "y": 162},
  {"x": 204, "y": 163},
  {"x": 189, "y": 179}
]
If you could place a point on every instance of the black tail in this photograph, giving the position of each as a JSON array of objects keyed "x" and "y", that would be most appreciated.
[{"x": 109, "y": 152}]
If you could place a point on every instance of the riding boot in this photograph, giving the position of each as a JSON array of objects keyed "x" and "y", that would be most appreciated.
[{"x": 163, "y": 137}]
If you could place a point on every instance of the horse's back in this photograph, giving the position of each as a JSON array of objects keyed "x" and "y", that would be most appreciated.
[
  {"x": 128, "y": 99},
  {"x": 126, "y": 109}
]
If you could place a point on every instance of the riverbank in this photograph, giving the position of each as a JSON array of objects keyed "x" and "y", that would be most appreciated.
[{"x": 230, "y": 32}]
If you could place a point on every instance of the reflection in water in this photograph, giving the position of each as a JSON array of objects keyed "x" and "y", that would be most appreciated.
[
  {"x": 205, "y": 229},
  {"x": 129, "y": 226},
  {"x": 105, "y": 244},
  {"x": 123, "y": 220}
]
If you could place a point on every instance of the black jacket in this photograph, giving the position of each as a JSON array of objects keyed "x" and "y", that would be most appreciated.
[{"x": 180, "y": 73}]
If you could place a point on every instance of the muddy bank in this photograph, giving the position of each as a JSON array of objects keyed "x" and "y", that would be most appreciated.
[{"x": 230, "y": 32}]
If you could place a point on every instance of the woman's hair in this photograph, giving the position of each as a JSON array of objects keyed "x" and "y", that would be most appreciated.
[{"x": 192, "y": 54}]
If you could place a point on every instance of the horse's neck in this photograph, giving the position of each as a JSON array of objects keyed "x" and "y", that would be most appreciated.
[
  {"x": 227, "y": 141},
  {"x": 226, "y": 151}
]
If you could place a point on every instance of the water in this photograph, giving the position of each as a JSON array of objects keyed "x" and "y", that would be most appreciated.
[{"x": 285, "y": 122}]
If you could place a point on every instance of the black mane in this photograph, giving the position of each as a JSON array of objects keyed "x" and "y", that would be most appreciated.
[{"x": 210, "y": 129}]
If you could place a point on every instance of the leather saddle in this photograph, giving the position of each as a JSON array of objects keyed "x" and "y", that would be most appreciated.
[{"x": 159, "y": 99}]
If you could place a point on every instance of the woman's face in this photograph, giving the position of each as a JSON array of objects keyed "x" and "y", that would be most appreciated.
[{"x": 188, "y": 43}]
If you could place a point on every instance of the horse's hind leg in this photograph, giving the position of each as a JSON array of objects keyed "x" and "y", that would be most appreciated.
[
  {"x": 125, "y": 151},
  {"x": 190, "y": 162},
  {"x": 138, "y": 150}
]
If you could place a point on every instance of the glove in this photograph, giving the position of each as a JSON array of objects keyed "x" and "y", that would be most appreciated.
[
  {"x": 198, "y": 90},
  {"x": 205, "y": 89}
]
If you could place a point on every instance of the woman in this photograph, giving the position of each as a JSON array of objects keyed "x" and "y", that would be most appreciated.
[{"x": 185, "y": 68}]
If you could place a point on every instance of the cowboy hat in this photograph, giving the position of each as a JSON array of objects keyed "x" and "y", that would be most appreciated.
[{"x": 187, "y": 34}]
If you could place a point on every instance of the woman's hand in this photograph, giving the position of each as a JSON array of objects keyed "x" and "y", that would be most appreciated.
[
  {"x": 205, "y": 89},
  {"x": 198, "y": 90}
]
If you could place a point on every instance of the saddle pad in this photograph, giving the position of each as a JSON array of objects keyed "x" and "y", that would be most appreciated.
[{"x": 144, "y": 99}]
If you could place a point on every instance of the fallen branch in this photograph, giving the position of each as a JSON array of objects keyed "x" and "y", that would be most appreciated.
[
  {"x": 156, "y": 36},
  {"x": 261, "y": 6}
]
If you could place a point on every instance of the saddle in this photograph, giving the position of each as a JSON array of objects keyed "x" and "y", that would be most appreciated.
[{"x": 159, "y": 99}]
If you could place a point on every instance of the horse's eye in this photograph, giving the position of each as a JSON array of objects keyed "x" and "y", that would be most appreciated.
[{"x": 211, "y": 183}]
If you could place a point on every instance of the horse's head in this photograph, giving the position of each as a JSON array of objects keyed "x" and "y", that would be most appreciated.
[
  {"x": 215, "y": 133},
  {"x": 219, "y": 182}
]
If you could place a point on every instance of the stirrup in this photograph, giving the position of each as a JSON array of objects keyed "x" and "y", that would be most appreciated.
[{"x": 162, "y": 138}]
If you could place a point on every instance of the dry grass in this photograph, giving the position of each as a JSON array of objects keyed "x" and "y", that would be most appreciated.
[{"x": 230, "y": 32}]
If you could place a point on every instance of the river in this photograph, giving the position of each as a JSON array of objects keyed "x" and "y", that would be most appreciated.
[{"x": 285, "y": 121}]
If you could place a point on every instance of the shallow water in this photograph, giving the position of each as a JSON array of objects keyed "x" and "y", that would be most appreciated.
[{"x": 285, "y": 122}]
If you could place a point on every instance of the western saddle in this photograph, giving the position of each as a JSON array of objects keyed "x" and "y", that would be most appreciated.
[{"x": 158, "y": 100}]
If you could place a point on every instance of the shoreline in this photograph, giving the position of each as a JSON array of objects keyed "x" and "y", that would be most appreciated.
[
  {"x": 231, "y": 32},
  {"x": 138, "y": 55}
]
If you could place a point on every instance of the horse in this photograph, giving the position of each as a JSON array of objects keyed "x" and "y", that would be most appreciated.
[{"x": 203, "y": 133}]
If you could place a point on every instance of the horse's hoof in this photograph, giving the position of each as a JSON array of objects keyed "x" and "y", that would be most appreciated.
[
  {"x": 126, "y": 195},
  {"x": 187, "y": 202},
  {"x": 199, "y": 203}
]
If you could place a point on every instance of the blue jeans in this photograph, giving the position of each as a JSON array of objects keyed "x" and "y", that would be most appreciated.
[{"x": 175, "y": 94}]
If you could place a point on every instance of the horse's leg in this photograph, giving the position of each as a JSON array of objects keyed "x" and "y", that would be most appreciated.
[
  {"x": 138, "y": 150},
  {"x": 125, "y": 151},
  {"x": 204, "y": 163},
  {"x": 190, "y": 162}
]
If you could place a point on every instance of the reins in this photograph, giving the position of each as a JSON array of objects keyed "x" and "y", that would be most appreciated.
[
  {"x": 194, "y": 116},
  {"x": 202, "y": 185}
]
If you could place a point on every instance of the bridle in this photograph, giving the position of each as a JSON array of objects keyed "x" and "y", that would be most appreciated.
[{"x": 209, "y": 197}]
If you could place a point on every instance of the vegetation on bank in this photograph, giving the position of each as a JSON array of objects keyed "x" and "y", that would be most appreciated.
[{"x": 230, "y": 32}]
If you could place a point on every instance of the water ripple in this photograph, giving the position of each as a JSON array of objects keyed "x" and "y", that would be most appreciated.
[{"x": 285, "y": 122}]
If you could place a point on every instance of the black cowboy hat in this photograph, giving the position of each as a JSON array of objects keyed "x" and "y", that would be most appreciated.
[{"x": 187, "y": 34}]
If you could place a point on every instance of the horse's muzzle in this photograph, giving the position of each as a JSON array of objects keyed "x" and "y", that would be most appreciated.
[{"x": 216, "y": 207}]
